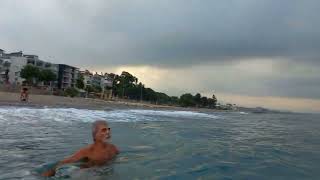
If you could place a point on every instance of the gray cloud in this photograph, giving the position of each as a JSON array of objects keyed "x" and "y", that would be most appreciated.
[
  {"x": 164, "y": 33},
  {"x": 296, "y": 87}
]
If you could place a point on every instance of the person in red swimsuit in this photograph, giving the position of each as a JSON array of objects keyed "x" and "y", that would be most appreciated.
[{"x": 24, "y": 95}]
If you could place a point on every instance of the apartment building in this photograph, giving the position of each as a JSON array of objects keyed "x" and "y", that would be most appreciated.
[
  {"x": 11, "y": 65},
  {"x": 67, "y": 76},
  {"x": 87, "y": 78}
]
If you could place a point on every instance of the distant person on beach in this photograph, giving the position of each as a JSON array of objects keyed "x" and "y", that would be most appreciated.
[
  {"x": 96, "y": 154},
  {"x": 24, "y": 95}
]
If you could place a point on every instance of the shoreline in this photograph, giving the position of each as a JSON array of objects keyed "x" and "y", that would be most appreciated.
[{"x": 50, "y": 101}]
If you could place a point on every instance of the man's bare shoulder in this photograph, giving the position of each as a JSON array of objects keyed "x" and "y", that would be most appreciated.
[
  {"x": 114, "y": 148},
  {"x": 89, "y": 147},
  {"x": 85, "y": 150}
]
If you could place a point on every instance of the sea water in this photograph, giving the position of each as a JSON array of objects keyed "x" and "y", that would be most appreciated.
[{"x": 163, "y": 144}]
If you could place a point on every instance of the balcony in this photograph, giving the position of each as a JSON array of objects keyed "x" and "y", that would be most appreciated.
[
  {"x": 67, "y": 70},
  {"x": 47, "y": 65},
  {"x": 39, "y": 63},
  {"x": 31, "y": 62}
]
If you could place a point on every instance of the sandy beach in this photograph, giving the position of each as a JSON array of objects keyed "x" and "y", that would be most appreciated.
[{"x": 12, "y": 99}]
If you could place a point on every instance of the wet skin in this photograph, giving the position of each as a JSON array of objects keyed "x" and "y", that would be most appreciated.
[{"x": 96, "y": 154}]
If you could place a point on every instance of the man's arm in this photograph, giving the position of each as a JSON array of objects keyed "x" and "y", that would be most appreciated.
[{"x": 82, "y": 153}]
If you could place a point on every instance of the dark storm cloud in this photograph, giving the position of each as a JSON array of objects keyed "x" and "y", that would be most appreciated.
[
  {"x": 179, "y": 33},
  {"x": 166, "y": 33}
]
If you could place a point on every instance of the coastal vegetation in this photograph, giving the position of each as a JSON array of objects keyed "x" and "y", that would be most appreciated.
[
  {"x": 33, "y": 75},
  {"x": 72, "y": 92},
  {"x": 124, "y": 86},
  {"x": 80, "y": 82}
]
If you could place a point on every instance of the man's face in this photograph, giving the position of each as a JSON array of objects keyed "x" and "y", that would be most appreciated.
[{"x": 103, "y": 133}]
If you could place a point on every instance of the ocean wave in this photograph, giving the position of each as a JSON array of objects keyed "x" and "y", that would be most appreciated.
[{"x": 85, "y": 115}]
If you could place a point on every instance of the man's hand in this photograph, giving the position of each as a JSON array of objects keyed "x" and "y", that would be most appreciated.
[
  {"x": 49, "y": 173},
  {"x": 74, "y": 158}
]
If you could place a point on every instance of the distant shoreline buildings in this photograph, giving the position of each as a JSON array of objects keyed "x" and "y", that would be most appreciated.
[
  {"x": 12, "y": 63},
  {"x": 67, "y": 80}
]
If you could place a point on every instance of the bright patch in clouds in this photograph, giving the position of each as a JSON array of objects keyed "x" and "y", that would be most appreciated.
[
  {"x": 279, "y": 103},
  {"x": 245, "y": 83}
]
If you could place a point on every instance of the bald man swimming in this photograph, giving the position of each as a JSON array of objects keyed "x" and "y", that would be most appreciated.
[{"x": 96, "y": 154}]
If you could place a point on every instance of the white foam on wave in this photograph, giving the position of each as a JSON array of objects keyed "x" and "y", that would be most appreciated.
[
  {"x": 174, "y": 113},
  {"x": 85, "y": 115}
]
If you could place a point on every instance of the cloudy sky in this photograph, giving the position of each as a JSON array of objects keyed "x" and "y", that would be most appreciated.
[{"x": 248, "y": 52}]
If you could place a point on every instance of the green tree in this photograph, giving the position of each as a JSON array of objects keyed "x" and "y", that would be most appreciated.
[
  {"x": 30, "y": 73},
  {"x": 90, "y": 89},
  {"x": 187, "y": 100},
  {"x": 149, "y": 95},
  {"x": 214, "y": 101},
  {"x": 128, "y": 79},
  {"x": 140, "y": 89},
  {"x": 211, "y": 103},
  {"x": 47, "y": 75},
  {"x": 162, "y": 98},
  {"x": 124, "y": 82},
  {"x": 94, "y": 88},
  {"x": 197, "y": 99},
  {"x": 204, "y": 101},
  {"x": 72, "y": 92},
  {"x": 174, "y": 100},
  {"x": 132, "y": 92},
  {"x": 80, "y": 82},
  {"x": 126, "y": 85},
  {"x": 98, "y": 88}
]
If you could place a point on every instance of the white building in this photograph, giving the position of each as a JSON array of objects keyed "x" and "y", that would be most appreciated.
[
  {"x": 104, "y": 81},
  {"x": 14, "y": 62},
  {"x": 87, "y": 78},
  {"x": 4, "y": 69},
  {"x": 10, "y": 67},
  {"x": 107, "y": 81},
  {"x": 35, "y": 61},
  {"x": 96, "y": 79},
  {"x": 17, "y": 63}
]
